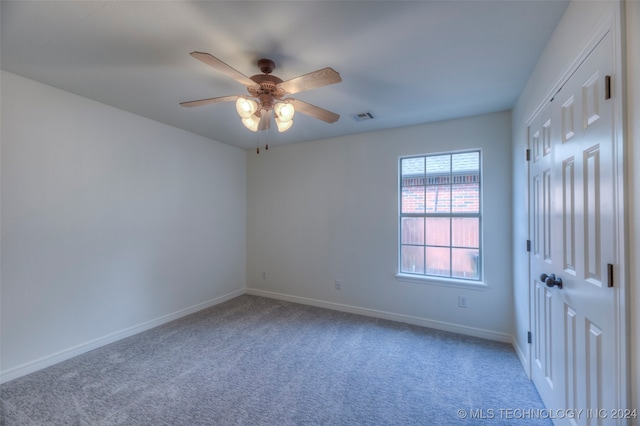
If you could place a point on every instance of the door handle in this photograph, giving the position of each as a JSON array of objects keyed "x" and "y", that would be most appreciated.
[{"x": 551, "y": 280}]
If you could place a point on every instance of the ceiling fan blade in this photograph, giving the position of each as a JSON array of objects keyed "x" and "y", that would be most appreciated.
[
  {"x": 323, "y": 77},
  {"x": 314, "y": 111},
  {"x": 209, "y": 101},
  {"x": 218, "y": 65}
]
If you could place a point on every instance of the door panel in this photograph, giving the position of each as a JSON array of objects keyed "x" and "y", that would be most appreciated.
[
  {"x": 568, "y": 216},
  {"x": 571, "y": 350},
  {"x": 591, "y": 185}
]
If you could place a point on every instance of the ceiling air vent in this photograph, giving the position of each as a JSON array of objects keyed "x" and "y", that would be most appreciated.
[{"x": 363, "y": 116}]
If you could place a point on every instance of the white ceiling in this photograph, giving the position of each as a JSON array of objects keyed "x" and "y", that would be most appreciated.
[{"x": 406, "y": 62}]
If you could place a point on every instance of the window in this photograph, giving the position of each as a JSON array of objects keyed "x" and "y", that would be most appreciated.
[{"x": 440, "y": 215}]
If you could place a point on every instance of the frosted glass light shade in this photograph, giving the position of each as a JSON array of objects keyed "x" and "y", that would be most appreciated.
[
  {"x": 285, "y": 111},
  {"x": 251, "y": 122},
  {"x": 246, "y": 107},
  {"x": 283, "y": 126}
]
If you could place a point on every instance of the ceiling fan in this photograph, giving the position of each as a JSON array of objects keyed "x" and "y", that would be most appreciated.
[{"x": 266, "y": 94}]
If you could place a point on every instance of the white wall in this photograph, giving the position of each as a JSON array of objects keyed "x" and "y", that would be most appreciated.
[
  {"x": 327, "y": 210},
  {"x": 633, "y": 143},
  {"x": 576, "y": 28},
  {"x": 111, "y": 223}
]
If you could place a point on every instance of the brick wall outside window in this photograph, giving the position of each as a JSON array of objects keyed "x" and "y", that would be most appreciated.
[{"x": 436, "y": 198}]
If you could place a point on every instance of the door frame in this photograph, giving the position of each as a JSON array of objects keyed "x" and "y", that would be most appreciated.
[{"x": 609, "y": 24}]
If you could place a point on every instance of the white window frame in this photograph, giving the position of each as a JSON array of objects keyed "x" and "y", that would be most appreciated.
[{"x": 474, "y": 283}]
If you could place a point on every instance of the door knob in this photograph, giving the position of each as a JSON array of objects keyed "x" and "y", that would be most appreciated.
[{"x": 551, "y": 280}]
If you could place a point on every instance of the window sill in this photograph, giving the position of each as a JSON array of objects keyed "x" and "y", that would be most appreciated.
[{"x": 443, "y": 282}]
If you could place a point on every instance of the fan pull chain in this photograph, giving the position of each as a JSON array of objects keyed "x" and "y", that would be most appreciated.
[
  {"x": 266, "y": 142},
  {"x": 266, "y": 135},
  {"x": 266, "y": 147}
]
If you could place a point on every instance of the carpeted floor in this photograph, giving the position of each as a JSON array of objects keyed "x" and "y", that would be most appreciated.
[{"x": 257, "y": 361}]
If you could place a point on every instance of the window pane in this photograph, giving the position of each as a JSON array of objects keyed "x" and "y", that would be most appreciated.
[
  {"x": 438, "y": 199},
  {"x": 438, "y": 261},
  {"x": 465, "y": 232},
  {"x": 466, "y": 161},
  {"x": 413, "y": 230},
  {"x": 412, "y": 259},
  {"x": 465, "y": 263},
  {"x": 438, "y": 231},
  {"x": 413, "y": 166},
  {"x": 466, "y": 198},
  {"x": 413, "y": 199},
  {"x": 439, "y": 164}
]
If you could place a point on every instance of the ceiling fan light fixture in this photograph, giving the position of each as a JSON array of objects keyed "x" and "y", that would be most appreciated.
[
  {"x": 246, "y": 107},
  {"x": 284, "y": 111},
  {"x": 251, "y": 122},
  {"x": 283, "y": 126}
]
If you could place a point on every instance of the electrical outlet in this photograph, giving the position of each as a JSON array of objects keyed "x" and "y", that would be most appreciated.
[
  {"x": 338, "y": 285},
  {"x": 462, "y": 302},
  {"x": 264, "y": 275}
]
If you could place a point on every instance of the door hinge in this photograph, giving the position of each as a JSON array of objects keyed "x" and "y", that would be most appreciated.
[
  {"x": 607, "y": 87},
  {"x": 528, "y": 154},
  {"x": 529, "y": 337},
  {"x": 528, "y": 245},
  {"x": 609, "y": 275}
]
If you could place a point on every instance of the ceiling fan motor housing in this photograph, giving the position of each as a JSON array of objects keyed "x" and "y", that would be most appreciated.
[{"x": 268, "y": 90}]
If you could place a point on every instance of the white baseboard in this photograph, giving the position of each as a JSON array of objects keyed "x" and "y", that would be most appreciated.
[
  {"x": 524, "y": 359},
  {"x": 49, "y": 360},
  {"x": 438, "y": 325}
]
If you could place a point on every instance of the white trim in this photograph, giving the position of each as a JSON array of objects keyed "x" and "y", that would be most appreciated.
[
  {"x": 443, "y": 282},
  {"x": 424, "y": 322},
  {"x": 529, "y": 352},
  {"x": 49, "y": 360},
  {"x": 522, "y": 356},
  {"x": 620, "y": 209}
]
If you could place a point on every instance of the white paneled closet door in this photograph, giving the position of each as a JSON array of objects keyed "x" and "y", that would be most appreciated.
[{"x": 573, "y": 258}]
